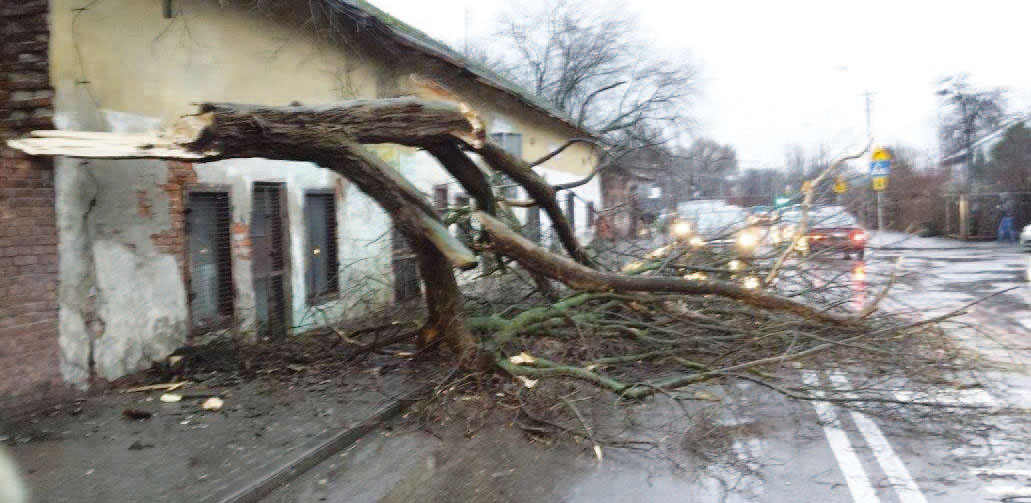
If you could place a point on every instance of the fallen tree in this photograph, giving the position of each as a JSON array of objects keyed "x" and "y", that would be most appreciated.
[{"x": 651, "y": 314}]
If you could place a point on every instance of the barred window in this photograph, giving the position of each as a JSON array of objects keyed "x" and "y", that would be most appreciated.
[
  {"x": 321, "y": 224},
  {"x": 511, "y": 142},
  {"x": 440, "y": 198},
  {"x": 211, "y": 272},
  {"x": 571, "y": 209}
]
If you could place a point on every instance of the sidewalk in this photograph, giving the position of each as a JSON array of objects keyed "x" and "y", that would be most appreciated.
[
  {"x": 892, "y": 240},
  {"x": 273, "y": 419}
]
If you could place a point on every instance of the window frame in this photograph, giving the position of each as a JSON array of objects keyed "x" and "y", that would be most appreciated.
[{"x": 501, "y": 137}]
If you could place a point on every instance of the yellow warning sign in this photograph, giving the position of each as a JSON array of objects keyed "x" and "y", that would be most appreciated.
[
  {"x": 880, "y": 183},
  {"x": 881, "y": 154},
  {"x": 840, "y": 185}
]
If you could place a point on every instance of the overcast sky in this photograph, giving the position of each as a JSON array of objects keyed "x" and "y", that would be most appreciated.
[{"x": 790, "y": 72}]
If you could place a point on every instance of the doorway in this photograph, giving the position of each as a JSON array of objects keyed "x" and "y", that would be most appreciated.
[{"x": 269, "y": 260}]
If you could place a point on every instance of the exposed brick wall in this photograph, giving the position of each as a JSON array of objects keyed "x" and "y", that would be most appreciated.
[
  {"x": 240, "y": 244},
  {"x": 28, "y": 276},
  {"x": 29, "y": 351},
  {"x": 26, "y": 98},
  {"x": 173, "y": 240}
]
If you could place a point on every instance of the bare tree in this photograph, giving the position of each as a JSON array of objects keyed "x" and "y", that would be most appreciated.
[
  {"x": 590, "y": 61},
  {"x": 969, "y": 114},
  {"x": 704, "y": 168}
]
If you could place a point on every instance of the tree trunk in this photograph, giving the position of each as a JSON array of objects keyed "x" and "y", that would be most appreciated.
[
  {"x": 326, "y": 136},
  {"x": 472, "y": 179}
]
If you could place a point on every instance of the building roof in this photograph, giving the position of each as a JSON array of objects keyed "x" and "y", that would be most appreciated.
[
  {"x": 369, "y": 17},
  {"x": 989, "y": 139}
]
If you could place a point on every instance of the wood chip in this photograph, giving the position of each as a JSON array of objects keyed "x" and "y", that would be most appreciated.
[{"x": 171, "y": 386}]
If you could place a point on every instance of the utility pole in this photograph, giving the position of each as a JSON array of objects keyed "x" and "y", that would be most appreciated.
[
  {"x": 869, "y": 131},
  {"x": 880, "y": 193},
  {"x": 465, "y": 33}
]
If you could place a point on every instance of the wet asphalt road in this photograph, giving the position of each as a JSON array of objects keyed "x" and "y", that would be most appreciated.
[{"x": 774, "y": 449}]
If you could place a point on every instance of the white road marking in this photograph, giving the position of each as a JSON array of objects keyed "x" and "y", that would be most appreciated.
[
  {"x": 898, "y": 476},
  {"x": 853, "y": 471}
]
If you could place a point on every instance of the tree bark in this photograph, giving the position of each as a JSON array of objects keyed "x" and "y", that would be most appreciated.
[
  {"x": 406, "y": 121},
  {"x": 468, "y": 174}
]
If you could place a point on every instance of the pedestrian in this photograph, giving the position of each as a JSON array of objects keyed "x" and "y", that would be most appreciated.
[{"x": 1006, "y": 232}]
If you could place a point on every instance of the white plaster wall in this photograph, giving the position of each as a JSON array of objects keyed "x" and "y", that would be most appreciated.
[
  {"x": 121, "y": 303},
  {"x": 362, "y": 235},
  {"x": 143, "y": 303}
]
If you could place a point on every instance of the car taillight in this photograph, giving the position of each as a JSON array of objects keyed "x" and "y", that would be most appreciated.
[{"x": 858, "y": 236}]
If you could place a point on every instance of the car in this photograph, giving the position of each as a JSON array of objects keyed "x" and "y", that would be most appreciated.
[
  {"x": 833, "y": 229},
  {"x": 767, "y": 216},
  {"x": 716, "y": 225},
  {"x": 1025, "y": 239}
]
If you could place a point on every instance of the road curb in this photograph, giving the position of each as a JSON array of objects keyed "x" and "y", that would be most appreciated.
[{"x": 312, "y": 453}]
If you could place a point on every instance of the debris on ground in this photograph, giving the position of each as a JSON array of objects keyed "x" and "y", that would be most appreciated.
[
  {"x": 171, "y": 386},
  {"x": 213, "y": 404},
  {"x": 137, "y": 414}
]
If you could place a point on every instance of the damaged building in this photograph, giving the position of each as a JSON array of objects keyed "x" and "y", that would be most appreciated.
[{"x": 108, "y": 265}]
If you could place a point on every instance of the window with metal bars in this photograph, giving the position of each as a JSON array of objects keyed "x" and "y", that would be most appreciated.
[
  {"x": 571, "y": 209},
  {"x": 405, "y": 267},
  {"x": 211, "y": 273},
  {"x": 463, "y": 230},
  {"x": 440, "y": 199},
  {"x": 321, "y": 268},
  {"x": 511, "y": 142},
  {"x": 532, "y": 229},
  {"x": 269, "y": 259}
]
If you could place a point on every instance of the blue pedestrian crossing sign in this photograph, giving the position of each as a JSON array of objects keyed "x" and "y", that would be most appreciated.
[
  {"x": 880, "y": 168},
  {"x": 880, "y": 162}
]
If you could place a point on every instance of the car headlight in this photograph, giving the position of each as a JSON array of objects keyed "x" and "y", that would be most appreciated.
[
  {"x": 751, "y": 282},
  {"x": 696, "y": 241},
  {"x": 747, "y": 239},
  {"x": 681, "y": 229}
]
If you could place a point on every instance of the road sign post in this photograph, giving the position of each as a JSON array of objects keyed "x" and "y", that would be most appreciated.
[{"x": 880, "y": 168}]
